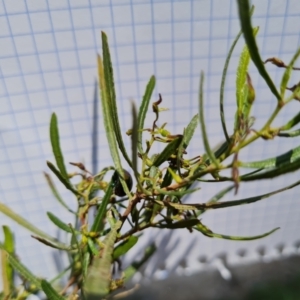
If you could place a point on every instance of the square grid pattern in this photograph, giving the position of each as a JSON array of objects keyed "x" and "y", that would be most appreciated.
[{"x": 48, "y": 64}]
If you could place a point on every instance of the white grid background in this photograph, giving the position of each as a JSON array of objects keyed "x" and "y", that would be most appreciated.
[{"x": 47, "y": 64}]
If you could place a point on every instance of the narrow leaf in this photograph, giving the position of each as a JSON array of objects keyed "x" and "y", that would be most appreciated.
[
  {"x": 20, "y": 220},
  {"x": 99, "y": 273},
  {"x": 287, "y": 74},
  {"x": 202, "y": 124},
  {"x": 187, "y": 136},
  {"x": 206, "y": 231},
  {"x": 290, "y": 133},
  {"x": 52, "y": 244},
  {"x": 60, "y": 224},
  {"x": 124, "y": 247},
  {"x": 143, "y": 111},
  {"x": 181, "y": 224},
  {"x": 176, "y": 193},
  {"x": 176, "y": 205},
  {"x": 111, "y": 96},
  {"x": 62, "y": 179},
  {"x": 54, "y": 137},
  {"x": 50, "y": 292},
  {"x": 20, "y": 268},
  {"x": 134, "y": 141},
  {"x": 108, "y": 125},
  {"x": 98, "y": 224},
  {"x": 7, "y": 270},
  {"x": 131, "y": 270},
  {"x": 245, "y": 20},
  {"x": 278, "y": 161},
  {"x": 291, "y": 123},
  {"x": 56, "y": 194},
  {"x": 167, "y": 152}
]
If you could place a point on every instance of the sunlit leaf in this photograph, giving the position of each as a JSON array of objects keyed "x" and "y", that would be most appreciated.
[
  {"x": 287, "y": 74},
  {"x": 54, "y": 137},
  {"x": 143, "y": 111},
  {"x": 108, "y": 123},
  {"x": 290, "y": 133},
  {"x": 176, "y": 205},
  {"x": 60, "y": 224},
  {"x": 52, "y": 244},
  {"x": 245, "y": 20},
  {"x": 99, "y": 273},
  {"x": 111, "y": 96}
]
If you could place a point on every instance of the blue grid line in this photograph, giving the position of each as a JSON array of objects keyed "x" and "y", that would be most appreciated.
[
  {"x": 62, "y": 78},
  {"x": 173, "y": 65},
  {"x": 262, "y": 16},
  {"x": 137, "y": 75},
  {"x": 140, "y": 43},
  {"x": 192, "y": 57}
]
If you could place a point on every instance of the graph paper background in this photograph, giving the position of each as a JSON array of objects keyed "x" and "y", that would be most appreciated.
[{"x": 48, "y": 64}]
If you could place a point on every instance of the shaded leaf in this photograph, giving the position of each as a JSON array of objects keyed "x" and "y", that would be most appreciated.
[
  {"x": 98, "y": 224},
  {"x": 181, "y": 224},
  {"x": 187, "y": 136},
  {"x": 176, "y": 205},
  {"x": 167, "y": 152},
  {"x": 202, "y": 124},
  {"x": 20, "y": 268},
  {"x": 52, "y": 244},
  {"x": 206, "y": 231},
  {"x": 60, "y": 224},
  {"x": 50, "y": 292},
  {"x": 20, "y": 220},
  {"x": 289, "y": 133},
  {"x": 56, "y": 194},
  {"x": 124, "y": 247},
  {"x": 245, "y": 20},
  {"x": 176, "y": 193},
  {"x": 62, "y": 179},
  {"x": 143, "y": 111},
  {"x": 131, "y": 270}
]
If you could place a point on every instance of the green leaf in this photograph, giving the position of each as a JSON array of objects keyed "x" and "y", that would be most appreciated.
[
  {"x": 111, "y": 96},
  {"x": 167, "y": 152},
  {"x": 211, "y": 205},
  {"x": 56, "y": 194},
  {"x": 134, "y": 143},
  {"x": 291, "y": 123},
  {"x": 287, "y": 74},
  {"x": 62, "y": 179},
  {"x": 60, "y": 224},
  {"x": 202, "y": 124},
  {"x": 20, "y": 220},
  {"x": 176, "y": 193},
  {"x": 98, "y": 224},
  {"x": 143, "y": 111},
  {"x": 99, "y": 273},
  {"x": 52, "y": 244},
  {"x": 284, "y": 159},
  {"x": 289, "y": 133},
  {"x": 206, "y": 231},
  {"x": 50, "y": 292},
  {"x": 181, "y": 224},
  {"x": 131, "y": 270},
  {"x": 20, "y": 268},
  {"x": 245, "y": 20},
  {"x": 176, "y": 205},
  {"x": 108, "y": 125},
  {"x": 187, "y": 136},
  {"x": 124, "y": 247},
  {"x": 54, "y": 137},
  {"x": 7, "y": 270}
]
